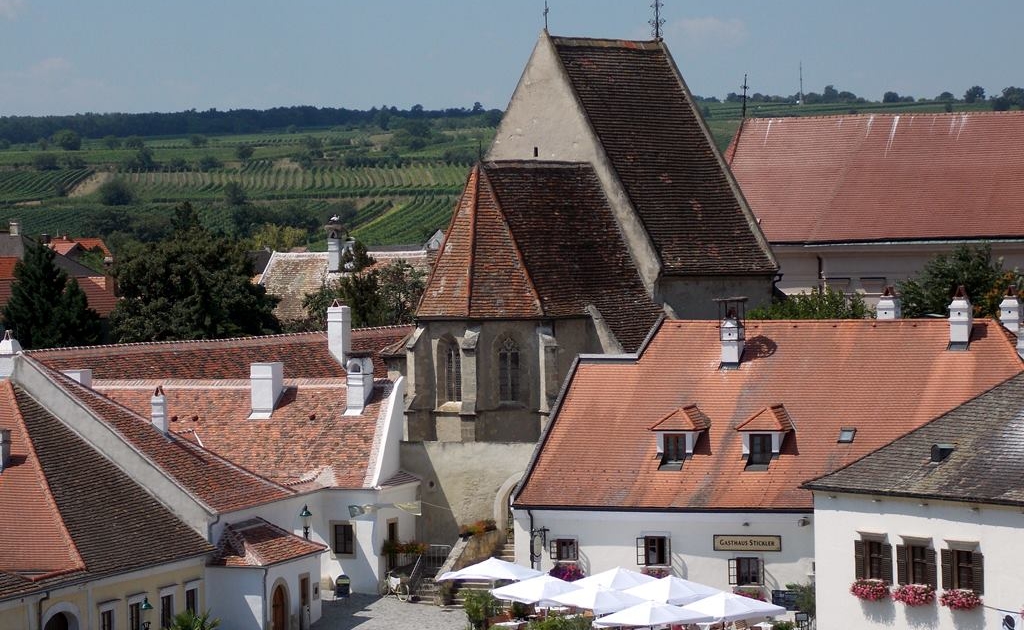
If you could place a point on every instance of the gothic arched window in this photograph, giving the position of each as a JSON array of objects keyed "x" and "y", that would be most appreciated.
[
  {"x": 452, "y": 372},
  {"x": 508, "y": 371}
]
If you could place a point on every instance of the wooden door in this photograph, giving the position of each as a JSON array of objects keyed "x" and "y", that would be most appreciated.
[{"x": 279, "y": 610}]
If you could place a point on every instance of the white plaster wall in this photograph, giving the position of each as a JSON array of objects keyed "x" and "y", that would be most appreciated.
[
  {"x": 235, "y": 596},
  {"x": 289, "y": 573},
  {"x": 840, "y": 520},
  {"x": 608, "y": 539},
  {"x": 384, "y": 460}
]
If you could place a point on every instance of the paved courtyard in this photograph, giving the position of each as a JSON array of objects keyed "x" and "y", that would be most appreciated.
[{"x": 370, "y": 612}]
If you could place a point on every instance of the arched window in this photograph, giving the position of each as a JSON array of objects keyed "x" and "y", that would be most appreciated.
[
  {"x": 452, "y": 372},
  {"x": 508, "y": 371}
]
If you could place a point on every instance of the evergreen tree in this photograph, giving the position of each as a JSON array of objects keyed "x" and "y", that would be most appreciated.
[
  {"x": 193, "y": 285},
  {"x": 47, "y": 309}
]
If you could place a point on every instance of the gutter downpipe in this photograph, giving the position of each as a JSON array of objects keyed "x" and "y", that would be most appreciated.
[
  {"x": 39, "y": 610},
  {"x": 263, "y": 613},
  {"x": 533, "y": 560}
]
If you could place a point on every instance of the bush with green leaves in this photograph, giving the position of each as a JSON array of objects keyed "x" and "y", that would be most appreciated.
[
  {"x": 574, "y": 622},
  {"x": 189, "y": 620},
  {"x": 984, "y": 279},
  {"x": 830, "y": 303},
  {"x": 480, "y": 606},
  {"x": 116, "y": 192}
]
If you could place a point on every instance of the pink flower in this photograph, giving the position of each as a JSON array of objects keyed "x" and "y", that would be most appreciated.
[
  {"x": 960, "y": 599},
  {"x": 914, "y": 594},
  {"x": 568, "y": 572},
  {"x": 870, "y": 590}
]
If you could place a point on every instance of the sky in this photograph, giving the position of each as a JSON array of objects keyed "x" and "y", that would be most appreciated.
[{"x": 70, "y": 56}]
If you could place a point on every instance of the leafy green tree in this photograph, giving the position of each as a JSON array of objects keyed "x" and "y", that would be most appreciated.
[
  {"x": 141, "y": 161},
  {"x": 243, "y": 152},
  {"x": 116, "y": 192},
  {"x": 4, "y": 144},
  {"x": 193, "y": 285},
  {"x": 276, "y": 237},
  {"x": 189, "y": 620},
  {"x": 67, "y": 140},
  {"x": 984, "y": 279},
  {"x": 134, "y": 142},
  {"x": 208, "y": 163},
  {"x": 47, "y": 309},
  {"x": 198, "y": 140},
  {"x": 805, "y": 600},
  {"x": 112, "y": 142},
  {"x": 828, "y": 304},
  {"x": 974, "y": 93},
  {"x": 891, "y": 97},
  {"x": 378, "y": 297},
  {"x": 234, "y": 194}
]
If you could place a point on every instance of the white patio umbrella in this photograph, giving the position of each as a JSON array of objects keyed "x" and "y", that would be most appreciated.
[
  {"x": 491, "y": 569},
  {"x": 673, "y": 590},
  {"x": 651, "y": 614},
  {"x": 536, "y": 590},
  {"x": 599, "y": 599},
  {"x": 617, "y": 578},
  {"x": 732, "y": 607}
]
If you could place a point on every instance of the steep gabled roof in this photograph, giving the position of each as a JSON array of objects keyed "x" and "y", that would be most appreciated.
[
  {"x": 257, "y": 543},
  {"x": 883, "y": 378},
  {"x": 987, "y": 435},
  {"x": 100, "y": 521},
  {"x": 772, "y": 418},
  {"x": 688, "y": 418},
  {"x": 305, "y": 355},
  {"x": 534, "y": 239},
  {"x": 883, "y": 177},
  {"x": 648, "y": 125}
]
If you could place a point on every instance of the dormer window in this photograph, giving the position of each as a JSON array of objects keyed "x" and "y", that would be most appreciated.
[
  {"x": 677, "y": 434},
  {"x": 760, "y": 451},
  {"x": 675, "y": 451},
  {"x": 763, "y": 434}
]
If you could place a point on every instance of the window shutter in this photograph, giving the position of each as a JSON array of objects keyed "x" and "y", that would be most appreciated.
[
  {"x": 887, "y": 563},
  {"x": 929, "y": 556},
  {"x": 760, "y": 571},
  {"x": 641, "y": 548},
  {"x": 732, "y": 571},
  {"x": 858, "y": 559},
  {"x": 668, "y": 550},
  {"x": 553, "y": 549},
  {"x": 947, "y": 569},
  {"x": 902, "y": 575},
  {"x": 978, "y": 562}
]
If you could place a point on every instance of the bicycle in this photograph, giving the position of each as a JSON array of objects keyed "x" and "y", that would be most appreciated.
[{"x": 392, "y": 584}]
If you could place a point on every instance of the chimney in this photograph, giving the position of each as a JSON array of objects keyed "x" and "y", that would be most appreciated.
[
  {"x": 44, "y": 238},
  {"x": 9, "y": 347},
  {"x": 15, "y": 228},
  {"x": 731, "y": 331},
  {"x": 5, "y": 449},
  {"x": 1009, "y": 311},
  {"x": 961, "y": 319},
  {"x": 334, "y": 230},
  {"x": 359, "y": 384},
  {"x": 888, "y": 305},
  {"x": 339, "y": 331},
  {"x": 158, "y": 404},
  {"x": 82, "y": 376},
  {"x": 267, "y": 384}
]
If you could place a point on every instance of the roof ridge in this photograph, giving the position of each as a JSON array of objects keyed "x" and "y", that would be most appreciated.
[
  {"x": 473, "y": 190},
  {"x": 751, "y": 119},
  {"x": 568, "y": 40},
  {"x": 8, "y": 391}
]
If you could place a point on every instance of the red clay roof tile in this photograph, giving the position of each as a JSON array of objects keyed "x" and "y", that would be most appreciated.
[
  {"x": 773, "y": 418},
  {"x": 257, "y": 543},
  {"x": 688, "y": 418}
]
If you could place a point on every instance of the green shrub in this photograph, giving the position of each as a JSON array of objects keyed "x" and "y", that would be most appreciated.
[{"x": 479, "y": 607}]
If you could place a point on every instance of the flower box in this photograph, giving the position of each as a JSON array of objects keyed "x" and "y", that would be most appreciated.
[
  {"x": 870, "y": 590},
  {"x": 914, "y": 594},
  {"x": 753, "y": 592},
  {"x": 656, "y": 572},
  {"x": 567, "y": 571},
  {"x": 960, "y": 599}
]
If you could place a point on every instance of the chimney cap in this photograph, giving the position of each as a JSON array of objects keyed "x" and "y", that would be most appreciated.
[
  {"x": 889, "y": 292},
  {"x": 159, "y": 390},
  {"x": 1011, "y": 291},
  {"x": 961, "y": 292}
]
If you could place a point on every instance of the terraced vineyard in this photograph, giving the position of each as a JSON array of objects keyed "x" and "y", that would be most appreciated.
[
  {"x": 412, "y": 221},
  {"x": 267, "y": 180},
  {"x": 31, "y": 185}
]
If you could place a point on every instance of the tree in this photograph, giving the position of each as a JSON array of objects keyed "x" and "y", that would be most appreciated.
[
  {"x": 828, "y": 304},
  {"x": 891, "y": 97},
  {"x": 116, "y": 192},
  {"x": 141, "y": 161},
  {"x": 67, "y": 140},
  {"x": 234, "y": 194},
  {"x": 984, "y": 279},
  {"x": 192, "y": 285},
  {"x": 379, "y": 297},
  {"x": 198, "y": 140},
  {"x": 111, "y": 142},
  {"x": 134, "y": 142},
  {"x": 189, "y": 620},
  {"x": 208, "y": 163},
  {"x": 974, "y": 93},
  {"x": 945, "y": 97},
  {"x": 47, "y": 309},
  {"x": 243, "y": 152}
]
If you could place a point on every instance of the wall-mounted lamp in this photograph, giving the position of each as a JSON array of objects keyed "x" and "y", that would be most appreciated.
[
  {"x": 144, "y": 607},
  {"x": 803, "y": 521},
  {"x": 305, "y": 515},
  {"x": 412, "y": 507}
]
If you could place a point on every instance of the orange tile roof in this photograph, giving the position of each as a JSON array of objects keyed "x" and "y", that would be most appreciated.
[
  {"x": 308, "y": 440},
  {"x": 884, "y": 378},
  {"x": 305, "y": 355},
  {"x": 7, "y": 267},
  {"x": 688, "y": 418},
  {"x": 537, "y": 239},
  {"x": 100, "y": 297},
  {"x": 257, "y": 543},
  {"x": 872, "y": 177},
  {"x": 773, "y": 418}
]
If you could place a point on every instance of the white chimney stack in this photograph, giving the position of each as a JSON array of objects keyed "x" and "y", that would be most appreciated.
[
  {"x": 15, "y": 228},
  {"x": 333, "y": 252},
  {"x": 82, "y": 376},
  {"x": 1009, "y": 311},
  {"x": 5, "y": 449},
  {"x": 267, "y": 385},
  {"x": 732, "y": 335},
  {"x": 961, "y": 319},
  {"x": 9, "y": 347},
  {"x": 158, "y": 406},
  {"x": 339, "y": 331},
  {"x": 359, "y": 384},
  {"x": 889, "y": 306}
]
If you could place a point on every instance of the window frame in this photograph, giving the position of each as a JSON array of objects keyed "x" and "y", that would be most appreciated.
[
  {"x": 742, "y": 568},
  {"x": 452, "y": 361},
  {"x": 760, "y": 458},
  {"x": 135, "y": 610},
  {"x": 166, "y": 606},
  {"x": 915, "y": 563},
  {"x": 674, "y": 451},
  {"x": 350, "y": 526},
  {"x": 963, "y": 567},
  {"x": 108, "y": 615},
  {"x": 192, "y": 587},
  {"x": 660, "y": 544},
  {"x": 564, "y": 549},
  {"x": 509, "y": 371},
  {"x": 872, "y": 559}
]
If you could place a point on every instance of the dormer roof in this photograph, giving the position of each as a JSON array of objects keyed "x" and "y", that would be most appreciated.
[
  {"x": 688, "y": 418},
  {"x": 771, "y": 418},
  {"x": 257, "y": 543}
]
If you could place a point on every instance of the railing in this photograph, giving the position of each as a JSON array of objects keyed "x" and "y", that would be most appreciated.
[
  {"x": 416, "y": 574},
  {"x": 436, "y": 555}
]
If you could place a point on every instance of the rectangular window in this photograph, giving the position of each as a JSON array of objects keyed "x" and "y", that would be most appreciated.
[
  {"x": 344, "y": 539},
  {"x": 760, "y": 451},
  {"x": 873, "y": 559},
  {"x": 107, "y": 620},
  {"x": 745, "y": 571},
  {"x": 915, "y": 564},
  {"x": 192, "y": 600},
  {"x": 135, "y": 616},
  {"x": 563, "y": 549},
  {"x": 962, "y": 568},
  {"x": 166, "y": 610},
  {"x": 675, "y": 451},
  {"x": 653, "y": 550}
]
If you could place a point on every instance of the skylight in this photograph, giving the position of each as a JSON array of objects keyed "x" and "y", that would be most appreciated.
[{"x": 846, "y": 435}]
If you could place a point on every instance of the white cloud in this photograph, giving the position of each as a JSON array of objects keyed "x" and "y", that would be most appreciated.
[
  {"x": 9, "y": 8},
  {"x": 49, "y": 66},
  {"x": 707, "y": 32}
]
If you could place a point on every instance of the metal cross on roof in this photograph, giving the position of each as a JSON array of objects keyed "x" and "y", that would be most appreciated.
[
  {"x": 657, "y": 22},
  {"x": 545, "y": 15}
]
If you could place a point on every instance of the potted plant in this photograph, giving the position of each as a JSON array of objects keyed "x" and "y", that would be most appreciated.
[
  {"x": 753, "y": 592},
  {"x": 870, "y": 590},
  {"x": 914, "y": 594},
  {"x": 568, "y": 571},
  {"x": 656, "y": 572},
  {"x": 960, "y": 599}
]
